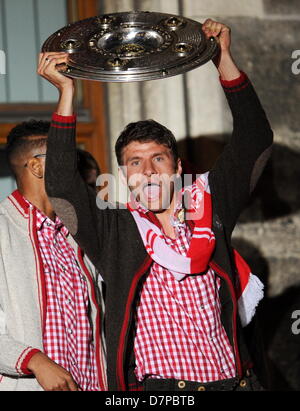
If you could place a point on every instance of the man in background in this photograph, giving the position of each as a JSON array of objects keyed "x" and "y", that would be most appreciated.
[
  {"x": 50, "y": 337},
  {"x": 88, "y": 168}
]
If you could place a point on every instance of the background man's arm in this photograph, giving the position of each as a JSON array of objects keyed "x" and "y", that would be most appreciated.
[{"x": 19, "y": 360}]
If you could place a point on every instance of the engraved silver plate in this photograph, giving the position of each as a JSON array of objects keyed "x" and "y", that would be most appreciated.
[{"x": 132, "y": 46}]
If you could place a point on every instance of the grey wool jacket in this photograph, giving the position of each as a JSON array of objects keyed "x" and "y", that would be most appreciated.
[
  {"x": 23, "y": 297},
  {"x": 111, "y": 239}
]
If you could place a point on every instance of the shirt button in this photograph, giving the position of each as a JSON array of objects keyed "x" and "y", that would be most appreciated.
[
  {"x": 70, "y": 331},
  {"x": 181, "y": 384},
  {"x": 243, "y": 383}
]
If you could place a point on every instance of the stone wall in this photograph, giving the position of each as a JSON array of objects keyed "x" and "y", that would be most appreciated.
[{"x": 265, "y": 34}]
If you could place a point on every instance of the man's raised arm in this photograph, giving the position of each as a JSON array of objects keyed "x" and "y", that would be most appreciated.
[{"x": 73, "y": 201}]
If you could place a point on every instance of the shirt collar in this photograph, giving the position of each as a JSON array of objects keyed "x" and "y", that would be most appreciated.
[{"x": 43, "y": 221}]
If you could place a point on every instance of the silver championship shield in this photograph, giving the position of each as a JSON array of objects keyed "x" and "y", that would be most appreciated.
[{"x": 132, "y": 46}]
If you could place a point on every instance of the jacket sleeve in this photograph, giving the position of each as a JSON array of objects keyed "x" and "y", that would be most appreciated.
[
  {"x": 236, "y": 172},
  {"x": 73, "y": 200},
  {"x": 14, "y": 355}
]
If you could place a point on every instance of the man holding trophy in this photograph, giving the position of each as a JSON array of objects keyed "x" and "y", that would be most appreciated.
[{"x": 177, "y": 294}]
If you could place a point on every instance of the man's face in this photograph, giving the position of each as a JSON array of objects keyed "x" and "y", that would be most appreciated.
[{"x": 150, "y": 170}]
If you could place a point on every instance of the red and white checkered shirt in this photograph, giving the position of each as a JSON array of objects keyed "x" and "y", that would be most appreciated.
[
  {"x": 68, "y": 337},
  {"x": 179, "y": 331}
]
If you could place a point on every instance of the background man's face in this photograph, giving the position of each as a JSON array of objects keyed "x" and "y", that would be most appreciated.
[{"x": 151, "y": 172}]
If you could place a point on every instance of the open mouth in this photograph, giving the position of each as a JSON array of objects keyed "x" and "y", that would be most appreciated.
[{"x": 151, "y": 191}]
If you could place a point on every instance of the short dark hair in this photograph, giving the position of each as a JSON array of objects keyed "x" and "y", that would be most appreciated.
[
  {"x": 87, "y": 163},
  {"x": 144, "y": 132},
  {"x": 19, "y": 139}
]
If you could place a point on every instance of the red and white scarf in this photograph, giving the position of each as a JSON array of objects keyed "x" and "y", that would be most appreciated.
[{"x": 249, "y": 290}]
